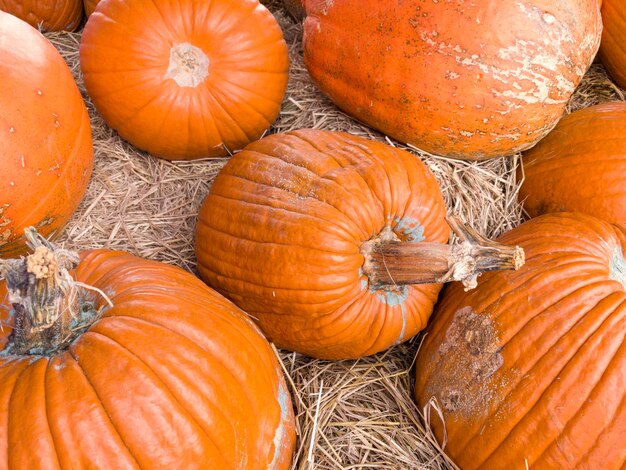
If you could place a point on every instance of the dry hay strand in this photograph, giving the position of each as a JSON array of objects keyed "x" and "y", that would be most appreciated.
[{"x": 350, "y": 414}]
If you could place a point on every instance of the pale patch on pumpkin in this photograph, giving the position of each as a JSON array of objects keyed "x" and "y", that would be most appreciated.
[
  {"x": 617, "y": 267},
  {"x": 393, "y": 296},
  {"x": 409, "y": 228},
  {"x": 189, "y": 65},
  {"x": 280, "y": 434}
]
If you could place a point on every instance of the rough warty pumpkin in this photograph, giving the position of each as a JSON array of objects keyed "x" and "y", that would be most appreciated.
[
  {"x": 55, "y": 15},
  {"x": 162, "y": 373},
  {"x": 320, "y": 236},
  {"x": 188, "y": 79},
  {"x": 613, "y": 46},
  {"x": 580, "y": 166},
  {"x": 529, "y": 369},
  {"x": 469, "y": 80},
  {"x": 45, "y": 136}
]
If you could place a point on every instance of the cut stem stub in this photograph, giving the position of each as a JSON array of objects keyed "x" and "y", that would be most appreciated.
[
  {"x": 48, "y": 310},
  {"x": 391, "y": 262}
]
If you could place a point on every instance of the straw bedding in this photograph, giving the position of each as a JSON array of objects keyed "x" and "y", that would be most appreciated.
[{"x": 351, "y": 414}]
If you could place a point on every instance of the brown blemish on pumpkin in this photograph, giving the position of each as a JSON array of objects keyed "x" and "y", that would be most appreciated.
[
  {"x": 5, "y": 235},
  {"x": 470, "y": 356},
  {"x": 46, "y": 221}
]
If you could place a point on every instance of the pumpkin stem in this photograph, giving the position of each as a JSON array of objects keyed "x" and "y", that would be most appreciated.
[
  {"x": 391, "y": 262},
  {"x": 46, "y": 300}
]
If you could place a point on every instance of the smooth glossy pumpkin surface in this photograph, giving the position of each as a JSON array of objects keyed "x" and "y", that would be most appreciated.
[
  {"x": 470, "y": 80},
  {"x": 56, "y": 15},
  {"x": 173, "y": 376},
  {"x": 45, "y": 137},
  {"x": 280, "y": 234},
  {"x": 186, "y": 79},
  {"x": 613, "y": 47},
  {"x": 580, "y": 166},
  {"x": 530, "y": 367}
]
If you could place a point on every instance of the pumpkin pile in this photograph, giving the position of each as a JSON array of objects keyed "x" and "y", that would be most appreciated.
[{"x": 325, "y": 243}]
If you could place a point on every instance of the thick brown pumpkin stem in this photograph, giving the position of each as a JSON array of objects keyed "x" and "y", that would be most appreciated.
[
  {"x": 391, "y": 262},
  {"x": 45, "y": 298}
]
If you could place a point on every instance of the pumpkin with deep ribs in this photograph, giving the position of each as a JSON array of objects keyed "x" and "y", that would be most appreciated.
[
  {"x": 580, "y": 166},
  {"x": 112, "y": 361},
  {"x": 334, "y": 244},
  {"x": 529, "y": 368}
]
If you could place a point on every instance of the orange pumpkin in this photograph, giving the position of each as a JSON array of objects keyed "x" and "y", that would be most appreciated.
[
  {"x": 529, "y": 369},
  {"x": 470, "y": 80},
  {"x": 185, "y": 80},
  {"x": 580, "y": 166},
  {"x": 56, "y": 15},
  {"x": 613, "y": 47},
  {"x": 171, "y": 376},
  {"x": 317, "y": 235},
  {"x": 45, "y": 136}
]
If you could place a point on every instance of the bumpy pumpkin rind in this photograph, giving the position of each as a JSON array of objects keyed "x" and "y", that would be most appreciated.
[
  {"x": 580, "y": 166},
  {"x": 470, "y": 80},
  {"x": 530, "y": 367},
  {"x": 172, "y": 376},
  {"x": 45, "y": 137},
  {"x": 281, "y": 230}
]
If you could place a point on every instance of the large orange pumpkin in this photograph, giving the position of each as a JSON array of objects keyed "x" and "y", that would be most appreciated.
[
  {"x": 55, "y": 15},
  {"x": 187, "y": 79},
  {"x": 580, "y": 166},
  {"x": 171, "y": 376},
  {"x": 292, "y": 231},
  {"x": 45, "y": 136},
  {"x": 470, "y": 80},
  {"x": 613, "y": 47},
  {"x": 529, "y": 369}
]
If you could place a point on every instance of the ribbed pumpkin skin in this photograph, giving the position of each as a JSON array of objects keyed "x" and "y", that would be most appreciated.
[
  {"x": 470, "y": 80},
  {"x": 56, "y": 15},
  {"x": 580, "y": 166},
  {"x": 173, "y": 376},
  {"x": 45, "y": 137},
  {"x": 90, "y": 6},
  {"x": 533, "y": 362},
  {"x": 126, "y": 53},
  {"x": 613, "y": 47},
  {"x": 281, "y": 229}
]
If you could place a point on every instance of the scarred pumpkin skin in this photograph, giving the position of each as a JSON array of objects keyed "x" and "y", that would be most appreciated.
[
  {"x": 580, "y": 166},
  {"x": 185, "y": 80},
  {"x": 469, "y": 80},
  {"x": 173, "y": 376},
  {"x": 530, "y": 367},
  {"x": 613, "y": 46},
  {"x": 57, "y": 15},
  {"x": 45, "y": 137},
  {"x": 281, "y": 230}
]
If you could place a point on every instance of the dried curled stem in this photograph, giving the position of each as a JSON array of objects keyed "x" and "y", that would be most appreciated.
[
  {"x": 45, "y": 298},
  {"x": 391, "y": 262}
]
